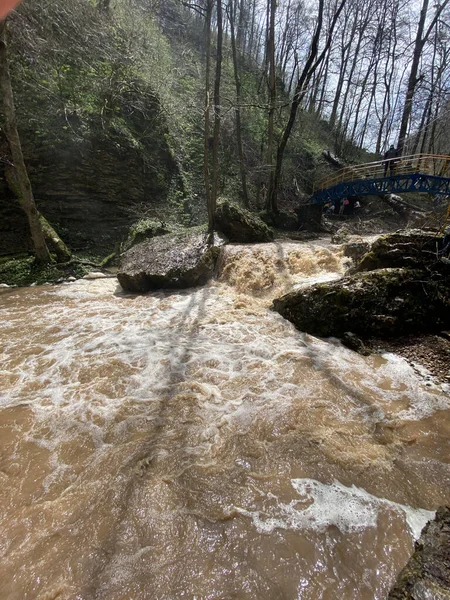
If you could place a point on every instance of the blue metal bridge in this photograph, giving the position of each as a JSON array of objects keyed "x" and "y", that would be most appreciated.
[{"x": 426, "y": 173}]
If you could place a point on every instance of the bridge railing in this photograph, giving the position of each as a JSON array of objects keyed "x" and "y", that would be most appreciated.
[{"x": 426, "y": 164}]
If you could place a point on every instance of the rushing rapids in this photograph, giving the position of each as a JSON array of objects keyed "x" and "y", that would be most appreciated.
[{"x": 195, "y": 445}]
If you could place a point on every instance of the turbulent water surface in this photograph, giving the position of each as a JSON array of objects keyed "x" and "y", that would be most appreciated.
[{"x": 195, "y": 445}]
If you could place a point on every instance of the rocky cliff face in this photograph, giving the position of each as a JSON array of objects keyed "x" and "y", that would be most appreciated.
[
  {"x": 92, "y": 188},
  {"x": 94, "y": 135}
]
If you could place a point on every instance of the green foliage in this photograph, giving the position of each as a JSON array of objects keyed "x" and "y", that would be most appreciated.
[
  {"x": 110, "y": 110},
  {"x": 22, "y": 271},
  {"x": 143, "y": 230}
]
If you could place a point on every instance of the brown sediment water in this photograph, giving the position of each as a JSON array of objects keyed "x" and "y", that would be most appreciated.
[{"x": 193, "y": 444}]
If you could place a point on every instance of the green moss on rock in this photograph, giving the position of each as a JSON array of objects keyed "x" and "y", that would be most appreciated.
[
  {"x": 240, "y": 225},
  {"x": 24, "y": 271},
  {"x": 380, "y": 303},
  {"x": 412, "y": 249},
  {"x": 145, "y": 229}
]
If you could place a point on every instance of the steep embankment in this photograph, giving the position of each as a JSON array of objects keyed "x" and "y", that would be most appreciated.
[{"x": 94, "y": 135}]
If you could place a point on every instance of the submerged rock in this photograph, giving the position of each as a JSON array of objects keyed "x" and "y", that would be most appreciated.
[
  {"x": 427, "y": 574},
  {"x": 350, "y": 340},
  {"x": 170, "y": 261},
  {"x": 379, "y": 303},
  {"x": 240, "y": 225}
]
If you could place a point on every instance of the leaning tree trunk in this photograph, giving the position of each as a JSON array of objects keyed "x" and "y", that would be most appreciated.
[
  {"x": 308, "y": 71},
  {"x": 19, "y": 173}
]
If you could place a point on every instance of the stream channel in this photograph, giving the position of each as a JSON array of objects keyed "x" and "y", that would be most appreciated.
[{"x": 194, "y": 444}]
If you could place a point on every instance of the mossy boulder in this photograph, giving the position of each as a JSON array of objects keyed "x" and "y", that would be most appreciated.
[
  {"x": 240, "y": 225},
  {"x": 407, "y": 248},
  {"x": 427, "y": 574},
  {"x": 145, "y": 229},
  {"x": 380, "y": 303},
  {"x": 356, "y": 249},
  {"x": 281, "y": 220},
  {"x": 180, "y": 260}
]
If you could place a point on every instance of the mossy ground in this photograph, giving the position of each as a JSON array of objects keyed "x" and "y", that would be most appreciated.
[{"x": 23, "y": 270}]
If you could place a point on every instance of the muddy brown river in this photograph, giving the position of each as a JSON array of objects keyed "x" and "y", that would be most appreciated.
[{"x": 195, "y": 445}]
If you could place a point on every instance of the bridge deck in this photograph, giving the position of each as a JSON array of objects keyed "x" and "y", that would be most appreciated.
[{"x": 427, "y": 173}]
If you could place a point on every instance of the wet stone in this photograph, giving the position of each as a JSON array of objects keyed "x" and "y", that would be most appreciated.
[
  {"x": 406, "y": 248},
  {"x": 399, "y": 288},
  {"x": 427, "y": 574},
  {"x": 95, "y": 275},
  {"x": 355, "y": 249},
  {"x": 240, "y": 225},
  {"x": 176, "y": 261}
]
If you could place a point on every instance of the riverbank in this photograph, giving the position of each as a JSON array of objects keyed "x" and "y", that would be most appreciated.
[{"x": 428, "y": 354}]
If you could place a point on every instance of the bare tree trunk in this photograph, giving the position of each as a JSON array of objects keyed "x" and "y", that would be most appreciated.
[
  {"x": 271, "y": 8},
  {"x": 301, "y": 89},
  {"x": 18, "y": 174},
  {"x": 320, "y": 106},
  {"x": 237, "y": 79},
  {"x": 207, "y": 110},
  {"x": 413, "y": 79},
  {"x": 217, "y": 111}
]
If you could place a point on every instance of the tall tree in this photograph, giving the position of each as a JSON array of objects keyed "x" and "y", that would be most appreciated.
[
  {"x": 232, "y": 5},
  {"x": 217, "y": 111},
  {"x": 17, "y": 172},
  {"x": 272, "y": 87},
  {"x": 420, "y": 41},
  {"x": 211, "y": 178},
  {"x": 207, "y": 111},
  {"x": 313, "y": 62}
]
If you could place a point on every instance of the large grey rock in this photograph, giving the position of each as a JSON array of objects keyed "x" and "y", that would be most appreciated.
[
  {"x": 380, "y": 303},
  {"x": 355, "y": 248},
  {"x": 170, "y": 261},
  {"x": 407, "y": 248},
  {"x": 427, "y": 574},
  {"x": 240, "y": 225},
  {"x": 145, "y": 229}
]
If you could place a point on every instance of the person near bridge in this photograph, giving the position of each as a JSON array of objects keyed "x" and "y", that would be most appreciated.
[{"x": 390, "y": 157}]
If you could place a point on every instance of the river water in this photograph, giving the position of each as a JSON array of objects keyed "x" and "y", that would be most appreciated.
[{"x": 194, "y": 445}]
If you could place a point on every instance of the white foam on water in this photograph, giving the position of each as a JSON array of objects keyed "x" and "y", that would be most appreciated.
[
  {"x": 356, "y": 373},
  {"x": 90, "y": 360},
  {"x": 162, "y": 341},
  {"x": 323, "y": 278},
  {"x": 350, "y": 509}
]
